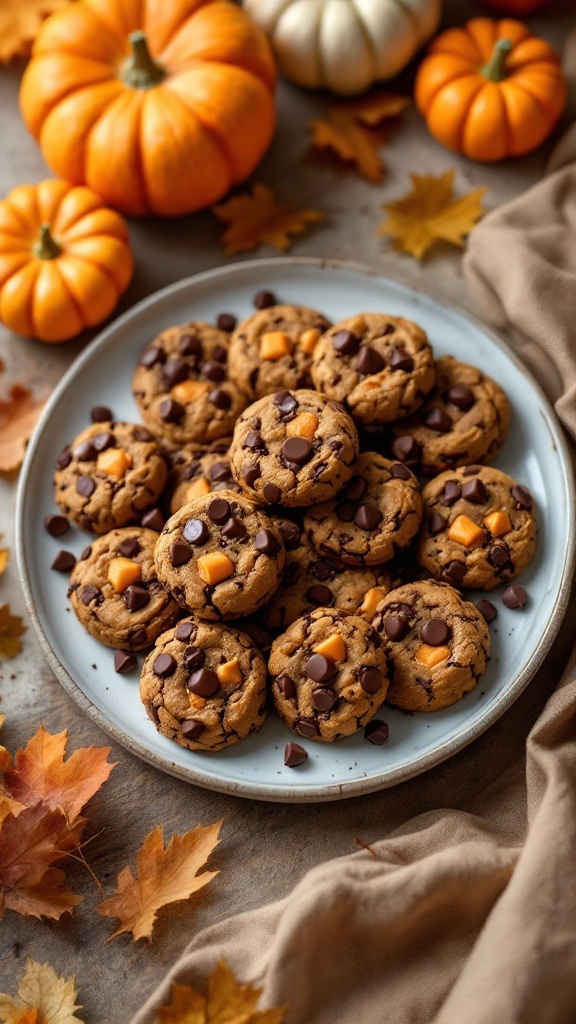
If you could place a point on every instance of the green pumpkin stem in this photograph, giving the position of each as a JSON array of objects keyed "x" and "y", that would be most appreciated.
[
  {"x": 495, "y": 70},
  {"x": 141, "y": 70},
  {"x": 46, "y": 248}
]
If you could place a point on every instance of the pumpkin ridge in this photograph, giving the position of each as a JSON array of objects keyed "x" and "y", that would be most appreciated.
[
  {"x": 33, "y": 275},
  {"x": 138, "y": 154},
  {"x": 95, "y": 263},
  {"x": 72, "y": 298},
  {"x": 367, "y": 37},
  {"x": 462, "y": 132}
]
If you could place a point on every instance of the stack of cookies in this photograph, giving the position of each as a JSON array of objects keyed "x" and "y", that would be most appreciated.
[{"x": 266, "y": 528}]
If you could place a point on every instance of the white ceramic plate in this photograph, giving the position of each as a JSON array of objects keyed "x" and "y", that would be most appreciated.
[{"x": 535, "y": 454}]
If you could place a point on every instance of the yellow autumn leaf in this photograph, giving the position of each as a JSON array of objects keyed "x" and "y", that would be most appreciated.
[
  {"x": 261, "y": 218},
  {"x": 11, "y": 627},
  {"x": 42, "y": 998},
  {"x": 226, "y": 1002},
  {"x": 430, "y": 213},
  {"x": 351, "y": 141}
]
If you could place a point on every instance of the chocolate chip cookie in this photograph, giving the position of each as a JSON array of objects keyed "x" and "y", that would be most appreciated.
[
  {"x": 374, "y": 516},
  {"x": 293, "y": 448},
  {"x": 197, "y": 470},
  {"x": 204, "y": 685},
  {"x": 182, "y": 385},
  {"x": 438, "y": 645},
  {"x": 479, "y": 527},
  {"x": 465, "y": 419},
  {"x": 379, "y": 367},
  {"x": 273, "y": 349},
  {"x": 330, "y": 674},
  {"x": 115, "y": 593},
  {"x": 220, "y": 556},
  {"x": 109, "y": 475}
]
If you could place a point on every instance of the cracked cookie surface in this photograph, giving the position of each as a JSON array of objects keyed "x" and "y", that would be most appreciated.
[
  {"x": 479, "y": 527},
  {"x": 204, "y": 685},
  {"x": 329, "y": 674},
  {"x": 110, "y": 474},
  {"x": 379, "y": 367},
  {"x": 374, "y": 516},
  {"x": 197, "y": 470},
  {"x": 438, "y": 645},
  {"x": 115, "y": 593},
  {"x": 293, "y": 448},
  {"x": 220, "y": 556}
]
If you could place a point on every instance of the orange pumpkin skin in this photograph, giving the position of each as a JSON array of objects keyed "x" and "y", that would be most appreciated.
[
  {"x": 65, "y": 260},
  {"x": 490, "y": 89},
  {"x": 164, "y": 124}
]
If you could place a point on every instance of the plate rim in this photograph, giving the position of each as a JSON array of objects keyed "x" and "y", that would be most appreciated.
[{"x": 269, "y": 792}]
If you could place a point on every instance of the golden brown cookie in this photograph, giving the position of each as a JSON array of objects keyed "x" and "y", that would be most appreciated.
[{"x": 197, "y": 470}]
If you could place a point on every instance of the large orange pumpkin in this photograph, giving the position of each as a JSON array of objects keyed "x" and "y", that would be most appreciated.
[
  {"x": 159, "y": 105},
  {"x": 490, "y": 89}
]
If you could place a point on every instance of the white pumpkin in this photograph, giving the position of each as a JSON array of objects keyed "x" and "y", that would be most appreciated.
[{"x": 344, "y": 45}]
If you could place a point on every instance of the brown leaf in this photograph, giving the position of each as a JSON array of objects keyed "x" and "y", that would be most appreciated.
[
  {"x": 18, "y": 415},
  {"x": 43, "y": 998},
  {"x": 351, "y": 141},
  {"x": 429, "y": 213},
  {"x": 226, "y": 1002},
  {"x": 19, "y": 24},
  {"x": 11, "y": 627},
  {"x": 376, "y": 107},
  {"x": 261, "y": 218},
  {"x": 30, "y": 843},
  {"x": 164, "y": 876}
]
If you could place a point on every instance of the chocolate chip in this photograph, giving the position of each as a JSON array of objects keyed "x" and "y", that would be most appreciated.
[
  {"x": 367, "y": 517},
  {"x": 320, "y": 595},
  {"x": 85, "y": 486},
  {"x": 406, "y": 448},
  {"x": 438, "y": 419},
  {"x": 213, "y": 370},
  {"x": 307, "y": 726},
  {"x": 100, "y": 414},
  {"x": 521, "y": 496},
  {"x": 85, "y": 451},
  {"x": 153, "y": 520},
  {"x": 234, "y": 529},
  {"x": 436, "y": 523},
  {"x": 190, "y": 345},
  {"x": 297, "y": 450},
  {"x": 193, "y": 658},
  {"x": 251, "y": 473},
  {"x": 220, "y": 471},
  {"x": 89, "y": 593},
  {"x": 400, "y": 472},
  {"x": 65, "y": 458},
  {"x": 371, "y": 679},
  {"x": 151, "y": 356},
  {"x": 475, "y": 491},
  {"x": 85, "y": 521},
  {"x": 401, "y": 360},
  {"x": 141, "y": 434},
  {"x": 254, "y": 441},
  {"x": 286, "y": 686},
  {"x": 452, "y": 492},
  {"x": 204, "y": 682},
  {"x": 263, "y": 300},
  {"x": 152, "y": 714},
  {"x": 136, "y": 597},
  {"x": 219, "y": 510},
  {"x": 345, "y": 512},
  {"x": 290, "y": 534},
  {"x": 139, "y": 638},
  {"x": 184, "y": 631},
  {"x": 266, "y": 543},
  {"x": 294, "y": 754},
  {"x": 498, "y": 555},
  {"x": 226, "y": 322},
  {"x": 368, "y": 361},
  {"x": 455, "y": 571},
  {"x": 355, "y": 489},
  {"x": 487, "y": 609},
  {"x": 104, "y": 441},
  {"x": 64, "y": 561},
  {"x": 164, "y": 665},
  {"x": 180, "y": 554},
  {"x": 86, "y": 553},
  {"x": 323, "y": 700},
  {"x": 220, "y": 354},
  {"x": 130, "y": 547},
  {"x": 195, "y": 532},
  {"x": 435, "y": 632},
  {"x": 515, "y": 596},
  {"x": 220, "y": 398},
  {"x": 324, "y": 570},
  {"x": 376, "y": 732},
  {"x": 56, "y": 525},
  {"x": 272, "y": 493},
  {"x": 170, "y": 411},
  {"x": 191, "y": 728},
  {"x": 124, "y": 662},
  {"x": 395, "y": 627},
  {"x": 461, "y": 396},
  {"x": 346, "y": 343},
  {"x": 320, "y": 668},
  {"x": 174, "y": 372}
]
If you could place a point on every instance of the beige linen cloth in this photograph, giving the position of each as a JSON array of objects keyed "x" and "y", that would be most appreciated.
[{"x": 457, "y": 918}]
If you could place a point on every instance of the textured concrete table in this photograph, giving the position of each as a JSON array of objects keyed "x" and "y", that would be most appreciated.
[{"x": 265, "y": 848}]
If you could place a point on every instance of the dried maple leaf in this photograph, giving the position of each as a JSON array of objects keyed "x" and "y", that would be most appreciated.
[
  {"x": 19, "y": 24},
  {"x": 347, "y": 131},
  {"x": 43, "y": 998},
  {"x": 164, "y": 876},
  {"x": 30, "y": 843},
  {"x": 11, "y": 627},
  {"x": 18, "y": 415},
  {"x": 226, "y": 1002},
  {"x": 430, "y": 213},
  {"x": 261, "y": 218},
  {"x": 376, "y": 107}
]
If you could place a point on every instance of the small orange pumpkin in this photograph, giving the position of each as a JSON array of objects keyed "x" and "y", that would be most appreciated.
[
  {"x": 161, "y": 106},
  {"x": 65, "y": 260},
  {"x": 490, "y": 89}
]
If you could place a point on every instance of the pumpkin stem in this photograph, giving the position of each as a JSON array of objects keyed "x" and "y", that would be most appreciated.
[
  {"x": 46, "y": 248},
  {"x": 141, "y": 70},
  {"x": 495, "y": 69}
]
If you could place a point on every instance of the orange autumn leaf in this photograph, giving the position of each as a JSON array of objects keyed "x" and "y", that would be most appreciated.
[
  {"x": 351, "y": 141},
  {"x": 42, "y": 998},
  {"x": 225, "y": 1002},
  {"x": 18, "y": 415},
  {"x": 261, "y": 218},
  {"x": 429, "y": 213},
  {"x": 19, "y": 24},
  {"x": 375, "y": 107},
  {"x": 11, "y": 628},
  {"x": 164, "y": 876},
  {"x": 30, "y": 843}
]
